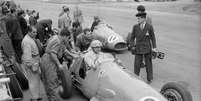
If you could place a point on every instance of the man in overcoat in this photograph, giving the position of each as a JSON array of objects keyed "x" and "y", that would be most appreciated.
[{"x": 143, "y": 42}]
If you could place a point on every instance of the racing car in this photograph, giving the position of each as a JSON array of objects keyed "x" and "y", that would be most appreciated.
[
  {"x": 113, "y": 82},
  {"x": 110, "y": 39}
]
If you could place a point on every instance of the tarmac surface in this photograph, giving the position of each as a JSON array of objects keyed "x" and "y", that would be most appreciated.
[{"x": 178, "y": 36}]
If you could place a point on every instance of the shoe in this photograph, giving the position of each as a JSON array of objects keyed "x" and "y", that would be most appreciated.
[{"x": 149, "y": 81}]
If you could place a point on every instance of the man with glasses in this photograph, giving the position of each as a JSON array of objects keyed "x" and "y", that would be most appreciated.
[{"x": 30, "y": 61}]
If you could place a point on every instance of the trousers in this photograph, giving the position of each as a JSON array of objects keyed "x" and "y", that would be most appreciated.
[{"x": 148, "y": 65}]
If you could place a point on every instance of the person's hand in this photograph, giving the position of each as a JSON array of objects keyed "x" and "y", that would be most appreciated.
[
  {"x": 155, "y": 49},
  {"x": 60, "y": 67},
  {"x": 12, "y": 60}
]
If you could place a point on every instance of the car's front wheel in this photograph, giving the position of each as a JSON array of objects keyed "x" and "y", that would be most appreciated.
[{"x": 176, "y": 92}]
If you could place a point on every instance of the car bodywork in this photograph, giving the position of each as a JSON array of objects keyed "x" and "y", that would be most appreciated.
[
  {"x": 111, "y": 82},
  {"x": 111, "y": 40}
]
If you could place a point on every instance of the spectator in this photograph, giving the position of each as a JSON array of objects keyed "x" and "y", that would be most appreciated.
[
  {"x": 65, "y": 20},
  {"x": 22, "y": 21},
  {"x": 84, "y": 40},
  {"x": 5, "y": 41},
  {"x": 14, "y": 31},
  {"x": 142, "y": 9},
  {"x": 145, "y": 43},
  {"x": 95, "y": 23},
  {"x": 30, "y": 60},
  {"x": 33, "y": 18},
  {"x": 76, "y": 30},
  {"x": 44, "y": 30},
  {"x": 78, "y": 16}
]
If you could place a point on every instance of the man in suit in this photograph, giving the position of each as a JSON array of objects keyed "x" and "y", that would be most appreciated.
[{"x": 143, "y": 42}]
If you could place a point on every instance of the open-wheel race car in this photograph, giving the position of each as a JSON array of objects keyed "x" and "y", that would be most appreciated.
[
  {"x": 113, "y": 82},
  {"x": 110, "y": 39}
]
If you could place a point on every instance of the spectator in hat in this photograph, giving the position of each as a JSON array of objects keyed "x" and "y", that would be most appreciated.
[
  {"x": 141, "y": 9},
  {"x": 64, "y": 20},
  {"x": 145, "y": 43}
]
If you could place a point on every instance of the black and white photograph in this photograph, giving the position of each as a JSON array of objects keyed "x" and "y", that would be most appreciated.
[{"x": 100, "y": 50}]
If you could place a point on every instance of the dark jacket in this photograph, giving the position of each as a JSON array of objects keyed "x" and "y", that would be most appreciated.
[
  {"x": 143, "y": 40},
  {"x": 13, "y": 27},
  {"x": 5, "y": 42},
  {"x": 33, "y": 19},
  {"x": 83, "y": 42},
  {"x": 44, "y": 30},
  {"x": 23, "y": 24}
]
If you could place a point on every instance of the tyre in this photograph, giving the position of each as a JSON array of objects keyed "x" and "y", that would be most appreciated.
[
  {"x": 66, "y": 83},
  {"x": 176, "y": 92},
  {"x": 22, "y": 79},
  {"x": 14, "y": 86}
]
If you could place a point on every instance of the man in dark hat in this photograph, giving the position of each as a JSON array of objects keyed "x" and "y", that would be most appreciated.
[
  {"x": 142, "y": 9},
  {"x": 143, "y": 42}
]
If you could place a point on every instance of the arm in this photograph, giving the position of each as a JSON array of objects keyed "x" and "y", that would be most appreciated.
[
  {"x": 55, "y": 59},
  {"x": 152, "y": 36},
  {"x": 78, "y": 43},
  {"x": 132, "y": 38}
]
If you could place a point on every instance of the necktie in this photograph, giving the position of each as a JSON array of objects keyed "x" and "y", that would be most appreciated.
[{"x": 141, "y": 26}]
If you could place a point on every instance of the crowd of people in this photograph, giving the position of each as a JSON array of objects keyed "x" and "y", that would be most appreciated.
[{"x": 41, "y": 50}]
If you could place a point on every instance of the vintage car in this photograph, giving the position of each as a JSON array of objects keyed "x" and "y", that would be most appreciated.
[
  {"x": 113, "y": 82},
  {"x": 110, "y": 39}
]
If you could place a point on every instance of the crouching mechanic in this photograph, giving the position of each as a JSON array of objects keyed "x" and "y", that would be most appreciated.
[{"x": 50, "y": 63}]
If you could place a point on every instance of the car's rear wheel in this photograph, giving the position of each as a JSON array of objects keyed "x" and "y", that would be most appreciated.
[
  {"x": 66, "y": 83},
  {"x": 176, "y": 92}
]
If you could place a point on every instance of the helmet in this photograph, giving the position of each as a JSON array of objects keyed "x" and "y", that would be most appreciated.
[{"x": 96, "y": 43}]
